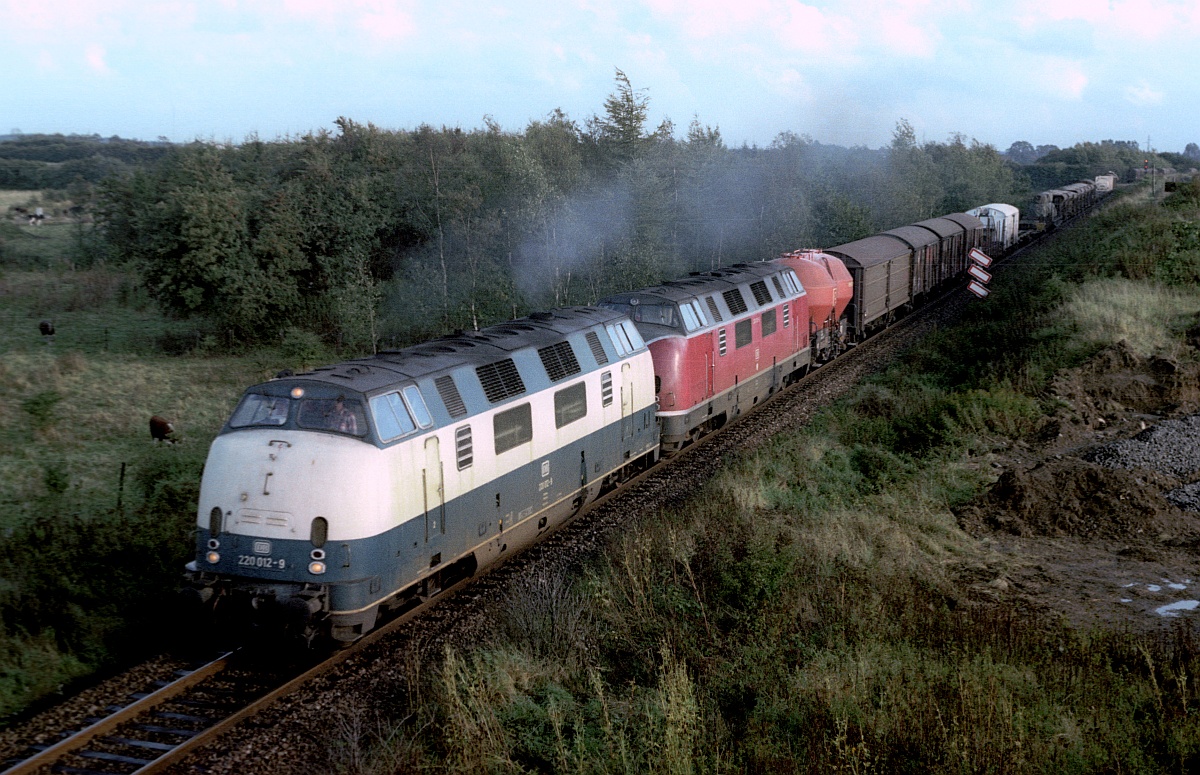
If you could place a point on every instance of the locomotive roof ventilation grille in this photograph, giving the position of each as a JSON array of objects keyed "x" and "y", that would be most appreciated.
[
  {"x": 714, "y": 309},
  {"x": 761, "y": 294},
  {"x": 778, "y": 286},
  {"x": 597, "y": 348},
  {"x": 559, "y": 360},
  {"x": 735, "y": 301},
  {"x": 500, "y": 380},
  {"x": 450, "y": 395}
]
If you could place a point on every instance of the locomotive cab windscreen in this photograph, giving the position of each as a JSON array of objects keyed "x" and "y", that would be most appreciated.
[
  {"x": 335, "y": 413},
  {"x": 686, "y": 317}
]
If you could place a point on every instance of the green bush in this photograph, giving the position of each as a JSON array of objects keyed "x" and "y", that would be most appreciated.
[
  {"x": 40, "y": 407},
  {"x": 303, "y": 349}
]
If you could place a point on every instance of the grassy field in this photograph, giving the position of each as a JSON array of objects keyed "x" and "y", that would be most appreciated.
[
  {"x": 10, "y": 198},
  {"x": 94, "y": 516},
  {"x": 80, "y": 401}
]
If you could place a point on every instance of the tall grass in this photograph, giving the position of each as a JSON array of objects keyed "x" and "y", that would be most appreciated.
[{"x": 1147, "y": 316}]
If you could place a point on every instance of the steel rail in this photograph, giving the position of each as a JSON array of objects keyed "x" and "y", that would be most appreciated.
[{"x": 109, "y": 723}]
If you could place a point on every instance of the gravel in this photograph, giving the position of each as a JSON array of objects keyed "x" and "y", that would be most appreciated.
[{"x": 1170, "y": 447}]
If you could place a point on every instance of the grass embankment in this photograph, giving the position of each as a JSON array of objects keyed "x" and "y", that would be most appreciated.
[
  {"x": 803, "y": 614},
  {"x": 95, "y": 519}
]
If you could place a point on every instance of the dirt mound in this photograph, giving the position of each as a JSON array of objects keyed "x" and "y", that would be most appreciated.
[
  {"x": 1089, "y": 519},
  {"x": 1071, "y": 497},
  {"x": 1117, "y": 383}
]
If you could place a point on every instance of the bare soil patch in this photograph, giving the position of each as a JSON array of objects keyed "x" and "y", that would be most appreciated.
[{"x": 1091, "y": 522}]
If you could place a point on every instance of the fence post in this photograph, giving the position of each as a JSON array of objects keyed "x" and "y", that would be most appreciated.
[{"x": 121, "y": 491}]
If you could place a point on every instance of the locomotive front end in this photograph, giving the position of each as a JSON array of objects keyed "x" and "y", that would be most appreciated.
[{"x": 284, "y": 503}]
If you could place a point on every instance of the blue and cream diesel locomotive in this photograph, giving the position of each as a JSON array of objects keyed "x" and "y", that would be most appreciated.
[{"x": 332, "y": 496}]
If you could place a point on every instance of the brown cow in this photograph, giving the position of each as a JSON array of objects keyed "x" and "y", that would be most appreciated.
[{"x": 161, "y": 429}]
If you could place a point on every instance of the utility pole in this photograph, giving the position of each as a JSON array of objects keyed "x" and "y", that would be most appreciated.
[{"x": 1151, "y": 169}]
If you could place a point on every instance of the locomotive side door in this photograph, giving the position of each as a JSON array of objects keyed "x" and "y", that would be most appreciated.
[
  {"x": 709, "y": 371},
  {"x": 435, "y": 500},
  {"x": 626, "y": 402}
]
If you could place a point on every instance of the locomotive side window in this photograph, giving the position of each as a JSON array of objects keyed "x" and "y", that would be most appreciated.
[
  {"x": 570, "y": 404},
  {"x": 743, "y": 333},
  {"x": 257, "y": 409},
  {"x": 658, "y": 314},
  {"x": 392, "y": 419},
  {"x": 695, "y": 304},
  {"x": 633, "y": 336},
  {"x": 768, "y": 322},
  {"x": 464, "y": 449},
  {"x": 513, "y": 428},
  {"x": 617, "y": 345},
  {"x": 606, "y": 391},
  {"x": 416, "y": 404},
  {"x": 621, "y": 340},
  {"x": 689, "y": 317},
  {"x": 341, "y": 415}
]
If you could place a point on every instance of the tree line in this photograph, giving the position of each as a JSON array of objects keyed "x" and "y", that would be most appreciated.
[
  {"x": 36, "y": 162},
  {"x": 365, "y": 236}
]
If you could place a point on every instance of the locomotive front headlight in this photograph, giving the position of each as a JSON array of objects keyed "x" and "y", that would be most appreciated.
[
  {"x": 316, "y": 568},
  {"x": 213, "y": 557}
]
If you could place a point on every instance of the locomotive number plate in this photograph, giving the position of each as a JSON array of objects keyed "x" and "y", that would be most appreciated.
[{"x": 267, "y": 563}]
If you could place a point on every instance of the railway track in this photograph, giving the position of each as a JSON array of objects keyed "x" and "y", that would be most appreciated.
[
  {"x": 158, "y": 725},
  {"x": 178, "y": 716}
]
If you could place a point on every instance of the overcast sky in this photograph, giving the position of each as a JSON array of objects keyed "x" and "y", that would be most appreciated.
[{"x": 1046, "y": 71}]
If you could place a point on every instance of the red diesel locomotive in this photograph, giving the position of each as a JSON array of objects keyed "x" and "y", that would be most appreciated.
[{"x": 722, "y": 341}]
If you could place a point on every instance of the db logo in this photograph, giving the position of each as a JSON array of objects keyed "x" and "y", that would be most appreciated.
[{"x": 262, "y": 547}]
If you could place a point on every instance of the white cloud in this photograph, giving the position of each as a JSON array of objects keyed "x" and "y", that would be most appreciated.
[
  {"x": 806, "y": 28},
  {"x": 387, "y": 23},
  {"x": 1116, "y": 20},
  {"x": 94, "y": 55},
  {"x": 1143, "y": 94},
  {"x": 703, "y": 19},
  {"x": 1052, "y": 76}
]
